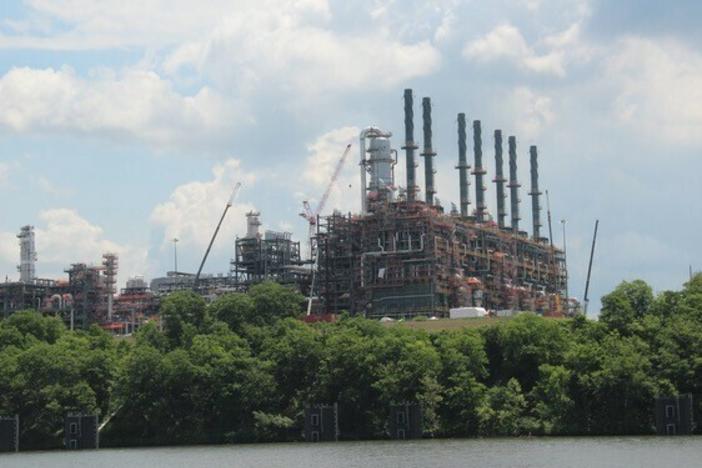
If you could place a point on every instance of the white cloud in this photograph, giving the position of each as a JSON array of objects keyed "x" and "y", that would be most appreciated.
[
  {"x": 550, "y": 55},
  {"x": 324, "y": 154},
  {"x": 506, "y": 42},
  {"x": 278, "y": 48},
  {"x": 532, "y": 113},
  {"x": 193, "y": 209},
  {"x": 64, "y": 237},
  {"x": 135, "y": 103},
  {"x": 659, "y": 87},
  {"x": 51, "y": 188}
]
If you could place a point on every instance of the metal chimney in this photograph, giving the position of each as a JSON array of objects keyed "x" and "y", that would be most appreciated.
[
  {"x": 428, "y": 153},
  {"x": 410, "y": 146},
  {"x": 535, "y": 206},
  {"x": 513, "y": 184},
  {"x": 499, "y": 180},
  {"x": 463, "y": 165},
  {"x": 479, "y": 172}
]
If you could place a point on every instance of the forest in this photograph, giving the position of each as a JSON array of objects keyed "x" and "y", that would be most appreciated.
[{"x": 242, "y": 368}]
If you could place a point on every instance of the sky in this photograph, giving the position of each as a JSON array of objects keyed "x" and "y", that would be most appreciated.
[{"x": 124, "y": 125}]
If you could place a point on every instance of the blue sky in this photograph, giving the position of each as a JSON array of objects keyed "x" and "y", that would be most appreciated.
[{"x": 125, "y": 124}]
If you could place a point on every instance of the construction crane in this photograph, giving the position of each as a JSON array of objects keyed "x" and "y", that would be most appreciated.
[
  {"x": 229, "y": 204},
  {"x": 586, "y": 300},
  {"x": 311, "y": 217}
]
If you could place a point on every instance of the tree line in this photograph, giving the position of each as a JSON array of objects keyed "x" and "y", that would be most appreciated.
[{"x": 242, "y": 368}]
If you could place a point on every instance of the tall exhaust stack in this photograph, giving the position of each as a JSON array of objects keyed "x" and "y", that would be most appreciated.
[
  {"x": 410, "y": 146},
  {"x": 463, "y": 165},
  {"x": 499, "y": 180},
  {"x": 428, "y": 153},
  {"x": 513, "y": 184},
  {"x": 535, "y": 206},
  {"x": 479, "y": 172}
]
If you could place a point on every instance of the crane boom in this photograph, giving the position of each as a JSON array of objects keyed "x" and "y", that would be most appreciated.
[
  {"x": 311, "y": 217},
  {"x": 335, "y": 176},
  {"x": 229, "y": 204}
]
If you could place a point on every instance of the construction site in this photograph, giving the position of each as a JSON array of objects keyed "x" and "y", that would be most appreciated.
[{"x": 402, "y": 256}]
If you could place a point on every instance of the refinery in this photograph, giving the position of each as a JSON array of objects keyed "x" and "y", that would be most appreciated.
[{"x": 403, "y": 255}]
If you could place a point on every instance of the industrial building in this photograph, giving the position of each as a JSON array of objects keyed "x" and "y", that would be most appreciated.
[
  {"x": 404, "y": 257},
  {"x": 86, "y": 297}
]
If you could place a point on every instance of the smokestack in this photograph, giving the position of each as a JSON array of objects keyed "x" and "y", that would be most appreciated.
[
  {"x": 535, "y": 207},
  {"x": 499, "y": 180},
  {"x": 513, "y": 184},
  {"x": 410, "y": 146},
  {"x": 463, "y": 165},
  {"x": 428, "y": 153},
  {"x": 479, "y": 172}
]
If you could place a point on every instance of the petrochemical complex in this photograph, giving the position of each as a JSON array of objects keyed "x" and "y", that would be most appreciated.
[{"x": 402, "y": 255}]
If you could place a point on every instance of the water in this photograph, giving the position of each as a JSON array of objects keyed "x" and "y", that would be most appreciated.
[{"x": 489, "y": 453}]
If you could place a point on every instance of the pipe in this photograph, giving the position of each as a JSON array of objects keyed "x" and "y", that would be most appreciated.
[
  {"x": 410, "y": 146},
  {"x": 428, "y": 153},
  {"x": 535, "y": 205},
  {"x": 499, "y": 180},
  {"x": 463, "y": 166},
  {"x": 479, "y": 172},
  {"x": 513, "y": 184}
]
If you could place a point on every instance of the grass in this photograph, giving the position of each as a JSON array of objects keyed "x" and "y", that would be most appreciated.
[{"x": 452, "y": 324}]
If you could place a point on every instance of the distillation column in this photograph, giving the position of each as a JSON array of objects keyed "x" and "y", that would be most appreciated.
[{"x": 28, "y": 255}]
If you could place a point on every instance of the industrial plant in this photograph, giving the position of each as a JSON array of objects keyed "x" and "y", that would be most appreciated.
[{"x": 403, "y": 255}]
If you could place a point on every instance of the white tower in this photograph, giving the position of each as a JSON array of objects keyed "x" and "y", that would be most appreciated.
[{"x": 28, "y": 254}]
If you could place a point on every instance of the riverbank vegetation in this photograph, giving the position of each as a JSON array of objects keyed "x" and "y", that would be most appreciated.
[{"x": 241, "y": 369}]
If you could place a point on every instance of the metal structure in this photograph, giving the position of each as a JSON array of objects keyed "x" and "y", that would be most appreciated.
[
  {"x": 229, "y": 204},
  {"x": 499, "y": 181},
  {"x": 478, "y": 172},
  {"x": 28, "y": 255},
  {"x": 410, "y": 147},
  {"x": 110, "y": 265},
  {"x": 273, "y": 256},
  {"x": 312, "y": 216},
  {"x": 534, "y": 193},
  {"x": 403, "y": 258},
  {"x": 513, "y": 184},
  {"x": 463, "y": 166},
  {"x": 586, "y": 300},
  {"x": 428, "y": 154}
]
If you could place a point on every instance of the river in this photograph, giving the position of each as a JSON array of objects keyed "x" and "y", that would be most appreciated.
[{"x": 489, "y": 453}]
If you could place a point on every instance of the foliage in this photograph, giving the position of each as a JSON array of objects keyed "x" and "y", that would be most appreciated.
[{"x": 243, "y": 368}]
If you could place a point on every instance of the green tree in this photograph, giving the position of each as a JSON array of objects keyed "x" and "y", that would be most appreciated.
[
  {"x": 503, "y": 412},
  {"x": 463, "y": 367},
  {"x": 272, "y": 301},
  {"x": 629, "y": 302},
  {"x": 184, "y": 314},
  {"x": 235, "y": 309}
]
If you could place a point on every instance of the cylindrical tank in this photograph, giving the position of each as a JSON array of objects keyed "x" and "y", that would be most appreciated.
[{"x": 380, "y": 164}]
